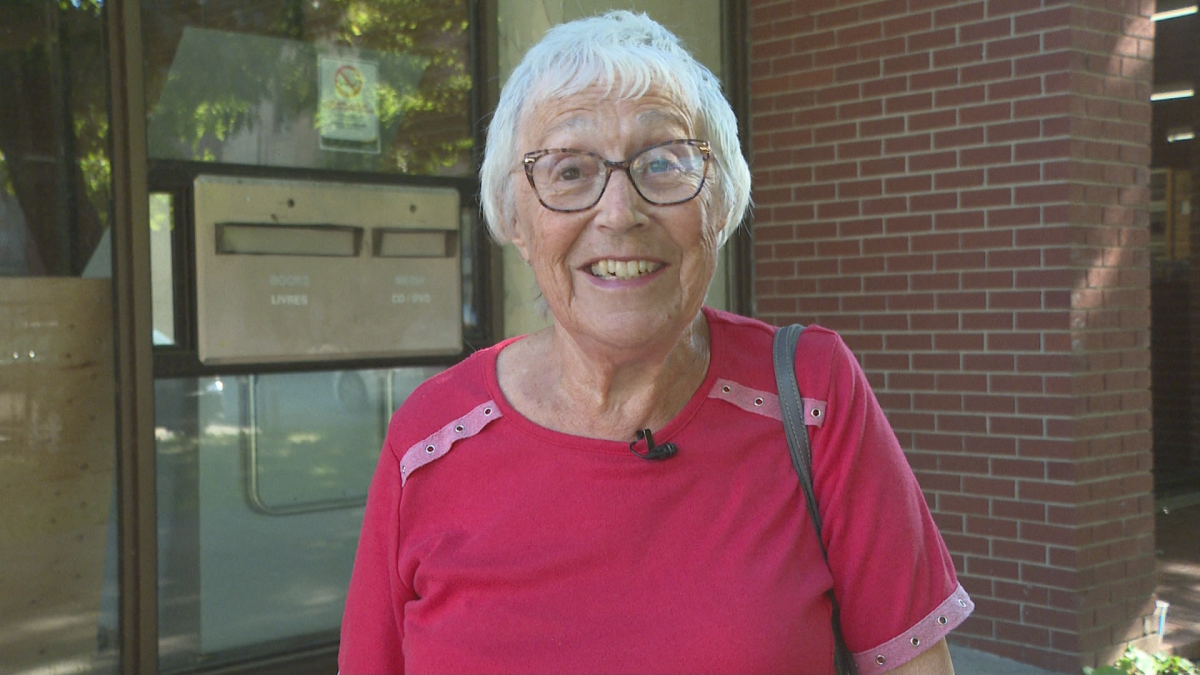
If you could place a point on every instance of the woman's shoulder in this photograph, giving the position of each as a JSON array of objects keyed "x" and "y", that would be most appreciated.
[
  {"x": 744, "y": 327},
  {"x": 745, "y": 340},
  {"x": 443, "y": 398}
]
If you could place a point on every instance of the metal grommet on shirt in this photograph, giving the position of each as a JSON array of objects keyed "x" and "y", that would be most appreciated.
[
  {"x": 962, "y": 603},
  {"x": 429, "y": 449},
  {"x": 881, "y": 659},
  {"x": 816, "y": 413},
  {"x": 487, "y": 411},
  {"x": 758, "y": 401},
  {"x": 942, "y": 620},
  {"x": 727, "y": 389},
  {"x": 916, "y": 641},
  {"x": 459, "y": 428}
]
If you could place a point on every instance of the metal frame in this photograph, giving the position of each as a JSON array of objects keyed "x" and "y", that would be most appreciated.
[
  {"x": 137, "y": 519},
  {"x": 736, "y": 55}
]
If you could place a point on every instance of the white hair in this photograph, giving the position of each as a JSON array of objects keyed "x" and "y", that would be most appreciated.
[{"x": 628, "y": 54}]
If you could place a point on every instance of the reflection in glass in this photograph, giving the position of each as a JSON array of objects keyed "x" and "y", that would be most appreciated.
[
  {"x": 1175, "y": 254},
  {"x": 362, "y": 86},
  {"x": 162, "y": 291},
  {"x": 57, "y": 408},
  {"x": 54, "y": 167},
  {"x": 261, "y": 483}
]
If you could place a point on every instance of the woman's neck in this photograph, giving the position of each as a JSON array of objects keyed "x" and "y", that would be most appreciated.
[{"x": 587, "y": 390}]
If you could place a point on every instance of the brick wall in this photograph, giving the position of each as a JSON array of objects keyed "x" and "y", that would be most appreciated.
[{"x": 960, "y": 189}]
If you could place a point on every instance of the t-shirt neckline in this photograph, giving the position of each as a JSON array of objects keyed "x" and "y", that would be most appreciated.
[{"x": 672, "y": 429}]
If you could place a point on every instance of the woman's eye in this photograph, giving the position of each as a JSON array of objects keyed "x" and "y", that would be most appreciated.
[
  {"x": 659, "y": 165},
  {"x": 568, "y": 173},
  {"x": 569, "y": 169}
]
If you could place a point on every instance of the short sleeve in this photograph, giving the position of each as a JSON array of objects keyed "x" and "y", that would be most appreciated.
[
  {"x": 893, "y": 576},
  {"x": 372, "y": 626}
]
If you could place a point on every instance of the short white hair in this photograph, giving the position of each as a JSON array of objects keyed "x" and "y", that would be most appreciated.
[{"x": 628, "y": 54}]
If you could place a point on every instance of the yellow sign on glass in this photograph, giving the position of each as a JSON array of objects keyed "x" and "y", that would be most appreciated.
[{"x": 347, "y": 117}]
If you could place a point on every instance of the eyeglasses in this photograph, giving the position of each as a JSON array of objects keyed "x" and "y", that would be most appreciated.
[{"x": 573, "y": 180}]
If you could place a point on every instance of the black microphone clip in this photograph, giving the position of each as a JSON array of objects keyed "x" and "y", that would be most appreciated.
[{"x": 653, "y": 452}]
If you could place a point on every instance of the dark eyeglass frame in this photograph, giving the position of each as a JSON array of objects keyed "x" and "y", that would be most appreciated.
[{"x": 530, "y": 158}]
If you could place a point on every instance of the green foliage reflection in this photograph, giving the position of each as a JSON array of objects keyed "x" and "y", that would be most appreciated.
[{"x": 222, "y": 76}]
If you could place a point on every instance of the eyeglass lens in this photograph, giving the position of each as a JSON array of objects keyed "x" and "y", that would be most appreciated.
[{"x": 664, "y": 174}]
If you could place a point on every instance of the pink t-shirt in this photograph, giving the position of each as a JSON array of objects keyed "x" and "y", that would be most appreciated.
[{"x": 491, "y": 544}]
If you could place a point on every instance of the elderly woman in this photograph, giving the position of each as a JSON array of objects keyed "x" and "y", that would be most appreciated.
[{"x": 509, "y": 526}]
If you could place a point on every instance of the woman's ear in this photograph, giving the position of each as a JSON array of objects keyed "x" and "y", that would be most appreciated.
[{"x": 517, "y": 238}]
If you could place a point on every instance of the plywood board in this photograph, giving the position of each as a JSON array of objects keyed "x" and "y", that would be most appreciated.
[{"x": 57, "y": 451}]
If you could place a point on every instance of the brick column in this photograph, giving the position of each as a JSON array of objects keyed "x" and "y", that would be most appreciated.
[{"x": 960, "y": 189}]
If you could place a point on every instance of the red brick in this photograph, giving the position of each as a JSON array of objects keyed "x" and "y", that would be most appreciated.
[
  {"x": 877, "y": 167},
  {"x": 980, "y": 114},
  {"x": 952, "y": 180},
  {"x": 909, "y": 143},
  {"x": 958, "y": 56},
  {"x": 992, "y": 154},
  {"x": 932, "y": 120},
  {"x": 910, "y": 23},
  {"x": 934, "y": 79},
  {"x": 908, "y": 103},
  {"x": 1017, "y": 88},
  {"x": 881, "y": 48},
  {"x": 958, "y": 137},
  {"x": 852, "y": 112},
  {"x": 985, "y": 30},
  {"x": 826, "y": 20},
  {"x": 906, "y": 64},
  {"x": 937, "y": 201},
  {"x": 859, "y": 149},
  {"x": 1010, "y": 47},
  {"x": 985, "y": 72},
  {"x": 860, "y": 33},
  {"x": 882, "y": 127},
  {"x": 985, "y": 197},
  {"x": 959, "y": 13},
  {"x": 926, "y": 41},
  {"x": 931, "y": 161}
]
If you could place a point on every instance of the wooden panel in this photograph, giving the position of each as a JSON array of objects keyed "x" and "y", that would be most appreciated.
[{"x": 57, "y": 449}]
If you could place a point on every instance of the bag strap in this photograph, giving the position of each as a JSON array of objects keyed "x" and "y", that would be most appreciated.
[{"x": 792, "y": 408}]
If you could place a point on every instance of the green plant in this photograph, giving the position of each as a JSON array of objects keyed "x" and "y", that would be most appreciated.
[{"x": 1138, "y": 662}]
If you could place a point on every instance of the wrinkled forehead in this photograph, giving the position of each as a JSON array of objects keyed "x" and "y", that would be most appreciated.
[{"x": 569, "y": 103}]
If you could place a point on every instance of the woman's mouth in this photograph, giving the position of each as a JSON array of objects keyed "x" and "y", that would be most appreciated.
[{"x": 623, "y": 269}]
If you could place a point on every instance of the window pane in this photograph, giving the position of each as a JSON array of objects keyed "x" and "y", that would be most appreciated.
[
  {"x": 261, "y": 483},
  {"x": 367, "y": 85},
  {"x": 58, "y": 588},
  {"x": 162, "y": 291},
  {"x": 1175, "y": 258}
]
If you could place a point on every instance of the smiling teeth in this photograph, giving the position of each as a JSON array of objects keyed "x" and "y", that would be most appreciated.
[{"x": 623, "y": 269}]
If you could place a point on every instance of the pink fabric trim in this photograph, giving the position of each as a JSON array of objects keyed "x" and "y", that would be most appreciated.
[
  {"x": 901, "y": 649},
  {"x": 763, "y": 403},
  {"x": 440, "y": 442}
]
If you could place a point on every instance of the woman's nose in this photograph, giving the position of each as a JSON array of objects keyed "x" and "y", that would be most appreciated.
[{"x": 619, "y": 206}]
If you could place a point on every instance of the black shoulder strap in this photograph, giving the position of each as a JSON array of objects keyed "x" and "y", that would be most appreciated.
[{"x": 792, "y": 408}]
